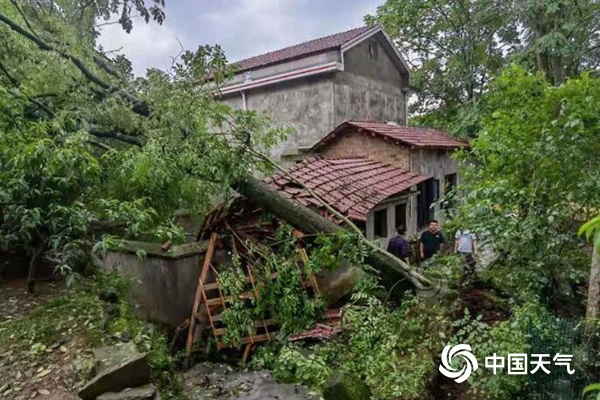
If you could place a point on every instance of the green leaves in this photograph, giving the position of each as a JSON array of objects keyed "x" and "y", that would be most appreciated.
[
  {"x": 69, "y": 174},
  {"x": 454, "y": 47},
  {"x": 529, "y": 183},
  {"x": 591, "y": 231},
  {"x": 594, "y": 387}
]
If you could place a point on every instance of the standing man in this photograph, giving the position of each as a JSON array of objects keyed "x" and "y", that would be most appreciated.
[
  {"x": 398, "y": 245},
  {"x": 431, "y": 241},
  {"x": 466, "y": 245}
]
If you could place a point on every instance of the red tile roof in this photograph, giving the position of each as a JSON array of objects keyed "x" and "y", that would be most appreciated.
[
  {"x": 411, "y": 135},
  {"x": 352, "y": 186},
  {"x": 300, "y": 50}
]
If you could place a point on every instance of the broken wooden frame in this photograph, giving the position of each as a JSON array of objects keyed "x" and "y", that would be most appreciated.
[{"x": 210, "y": 301}]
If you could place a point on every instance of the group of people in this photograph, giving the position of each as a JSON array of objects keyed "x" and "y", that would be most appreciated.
[{"x": 431, "y": 242}]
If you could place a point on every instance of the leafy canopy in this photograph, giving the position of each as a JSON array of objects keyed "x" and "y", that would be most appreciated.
[
  {"x": 532, "y": 175},
  {"x": 86, "y": 150}
]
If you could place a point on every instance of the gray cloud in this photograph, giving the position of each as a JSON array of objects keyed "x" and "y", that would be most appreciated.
[{"x": 242, "y": 27}]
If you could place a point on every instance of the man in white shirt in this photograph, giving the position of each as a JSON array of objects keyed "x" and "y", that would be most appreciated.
[{"x": 465, "y": 244}]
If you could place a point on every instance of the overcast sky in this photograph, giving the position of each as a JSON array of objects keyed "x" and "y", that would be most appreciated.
[{"x": 242, "y": 27}]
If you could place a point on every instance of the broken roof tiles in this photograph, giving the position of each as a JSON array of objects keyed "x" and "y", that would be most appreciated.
[{"x": 353, "y": 186}]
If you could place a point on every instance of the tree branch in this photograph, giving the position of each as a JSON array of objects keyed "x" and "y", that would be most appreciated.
[
  {"x": 137, "y": 141},
  {"x": 17, "y": 85},
  {"x": 14, "y": 2},
  {"x": 138, "y": 106}
]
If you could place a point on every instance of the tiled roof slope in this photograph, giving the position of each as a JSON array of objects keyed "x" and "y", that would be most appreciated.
[
  {"x": 300, "y": 50},
  {"x": 411, "y": 135},
  {"x": 353, "y": 186}
]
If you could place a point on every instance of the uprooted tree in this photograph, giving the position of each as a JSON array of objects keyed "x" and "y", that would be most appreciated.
[{"x": 87, "y": 151}]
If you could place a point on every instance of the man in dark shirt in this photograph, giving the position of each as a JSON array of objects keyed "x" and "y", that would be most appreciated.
[
  {"x": 398, "y": 245},
  {"x": 431, "y": 241}
]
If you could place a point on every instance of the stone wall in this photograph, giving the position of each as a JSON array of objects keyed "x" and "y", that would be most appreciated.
[
  {"x": 164, "y": 283},
  {"x": 356, "y": 144}
]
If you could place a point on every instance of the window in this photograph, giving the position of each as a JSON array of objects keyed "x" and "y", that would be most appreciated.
[
  {"x": 372, "y": 50},
  {"x": 401, "y": 215},
  {"x": 435, "y": 189},
  {"x": 380, "y": 223},
  {"x": 450, "y": 182}
]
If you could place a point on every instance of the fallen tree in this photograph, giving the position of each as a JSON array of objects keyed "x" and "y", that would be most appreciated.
[
  {"x": 197, "y": 152},
  {"x": 301, "y": 217}
]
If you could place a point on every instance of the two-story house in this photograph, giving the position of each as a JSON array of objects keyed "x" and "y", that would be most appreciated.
[{"x": 314, "y": 86}]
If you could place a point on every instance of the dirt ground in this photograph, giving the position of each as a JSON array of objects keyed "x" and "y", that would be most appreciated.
[{"x": 47, "y": 373}]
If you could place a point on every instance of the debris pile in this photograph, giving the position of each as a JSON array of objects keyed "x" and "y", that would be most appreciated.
[{"x": 247, "y": 235}]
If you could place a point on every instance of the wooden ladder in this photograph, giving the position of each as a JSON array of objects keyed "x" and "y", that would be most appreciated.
[{"x": 210, "y": 295}]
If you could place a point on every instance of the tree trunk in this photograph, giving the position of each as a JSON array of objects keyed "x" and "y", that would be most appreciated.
[
  {"x": 593, "y": 303},
  {"x": 32, "y": 266},
  {"x": 305, "y": 219}
]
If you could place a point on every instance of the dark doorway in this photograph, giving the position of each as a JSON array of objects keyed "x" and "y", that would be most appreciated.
[
  {"x": 401, "y": 215},
  {"x": 380, "y": 222},
  {"x": 429, "y": 193}
]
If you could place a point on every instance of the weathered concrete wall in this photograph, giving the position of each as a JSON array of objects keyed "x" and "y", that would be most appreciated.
[
  {"x": 435, "y": 164},
  {"x": 305, "y": 105},
  {"x": 371, "y": 60},
  {"x": 356, "y": 97},
  {"x": 390, "y": 206},
  {"x": 356, "y": 144},
  {"x": 163, "y": 283},
  {"x": 371, "y": 86}
]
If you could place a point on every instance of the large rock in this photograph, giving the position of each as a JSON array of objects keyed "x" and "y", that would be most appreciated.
[
  {"x": 147, "y": 392},
  {"x": 110, "y": 356},
  {"x": 119, "y": 367}
]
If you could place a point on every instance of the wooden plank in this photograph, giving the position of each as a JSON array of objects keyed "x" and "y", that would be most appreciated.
[
  {"x": 246, "y": 340},
  {"x": 207, "y": 259},
  {"x": 246, "y": 354},
  {"x": 228, "y": 299},
  {"x": 257, "y": 324},
  {"x": 215, "y": 285}
]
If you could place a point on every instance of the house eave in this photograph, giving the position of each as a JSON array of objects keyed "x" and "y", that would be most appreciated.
[{"x": 285, "y": 76}]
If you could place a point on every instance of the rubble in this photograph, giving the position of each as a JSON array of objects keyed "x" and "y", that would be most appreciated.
[{"x": 210, "y": 381}]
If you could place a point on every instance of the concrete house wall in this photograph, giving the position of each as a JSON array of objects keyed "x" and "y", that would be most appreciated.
[
  {"x": 371, "y": 87},
  {"x": 304, "y": 104}
]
